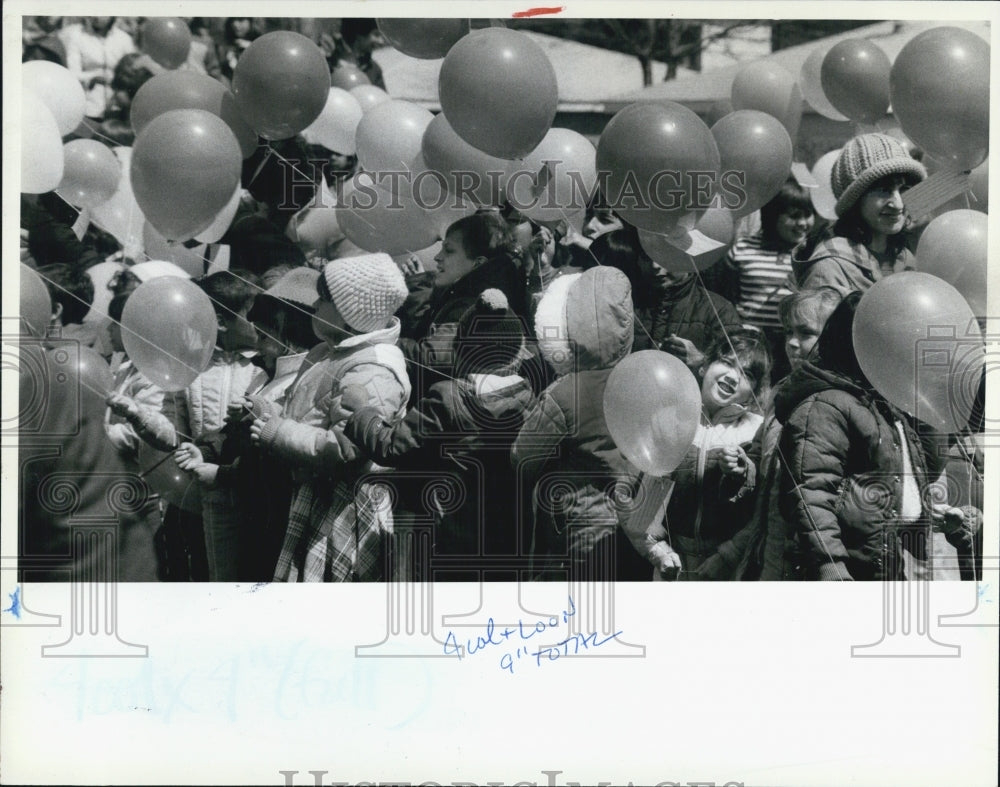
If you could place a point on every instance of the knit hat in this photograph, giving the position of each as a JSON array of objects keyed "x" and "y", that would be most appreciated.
[
  {"x": 490, "y": 336},
  {"x": 863, "y": 161},
  {"x": 297, "y": 286},
  {"x": 367, "y": 290}
]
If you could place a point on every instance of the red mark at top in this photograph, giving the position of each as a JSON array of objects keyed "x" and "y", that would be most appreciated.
[{"x": 538, "y": 12}]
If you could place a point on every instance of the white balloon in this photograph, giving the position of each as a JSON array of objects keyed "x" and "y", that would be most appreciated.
[
  {"x": 41, "y": 147},
  {"x": 822, "y": 196},
  {"x": 58, "y": 89},
  {"x": 812, "y": 87},
  {"x": 337, "y": 125},
  {"x": 121, "y": 215},
  {"x": 369, "y": 96}
]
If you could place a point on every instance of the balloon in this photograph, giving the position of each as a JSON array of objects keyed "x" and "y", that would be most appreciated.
[
  {"x": 185, "y": 165},
  {"x": 93, "y": 372},
  {"x": 190, "y": 90},
  {"x": 657, "y": 156},
  {"x": 426, "y": 39},
  {"x": 35, "y": 304},
  {"x": 191, "y": 261},
  {"x": 163, "y": 476},
  {"x": 165, "y": 39},
  {"x": 459, "y": 167},
  {"x": 367, "y": 220},
  {"x": 58, "y": 89},
  {"x": 855, "y": 79},
  {"x": 101, "y": 275},
  {"x": 767, "y": 87},
  {"x": 369, "y": 96},
  {"x": 918, "y": 344},
  {"x": 811, "y": 84},
  {"x": 348, "y": 76},
  {"x": 715, "y": 223},
  {"x": 652, "y": 405},
  {"x": 223, "y": 219},
  {"x": 979, "y": 182},
  {"x": 940, "y": 90},
  {"x": 90, "y": 175},
  {"x": 717, "y": 111},
  {"x": 953, "y": 248},
  {"x": 169, "y": 330},
  {"x": 498, "y": 91},
  {"x": 567, "y": 181},
  {"x": 152, "y": 269},
  {"x": 389, "y": 136},
  {"x": 337, "y": 125},
  {"x": 756, "y": 151},
  {"x": 822, "y": 196},
  {"x": 281, "y": 84},
  {"x": 121, "y": 216},
  {"x": 41, "y": 147}
]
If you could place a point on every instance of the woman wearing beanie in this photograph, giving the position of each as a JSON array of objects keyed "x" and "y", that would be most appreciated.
[
  {"x": 462, "y": 428},
  {"x": 869, "y": 179},
  {"x": 338, "y": 523}
]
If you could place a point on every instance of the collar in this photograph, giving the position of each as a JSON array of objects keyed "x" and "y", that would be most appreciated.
[
  {"x": 288, "y": 364},
  {"x": 387, "y": 335}
]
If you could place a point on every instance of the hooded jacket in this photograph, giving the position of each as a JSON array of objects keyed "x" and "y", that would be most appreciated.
[
  {"x": 842, "y": 494},
  {"x": 843, "y": 265}
]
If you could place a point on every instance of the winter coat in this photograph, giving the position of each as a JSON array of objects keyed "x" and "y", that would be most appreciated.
[
  {"x": 463, "y": 428},
  {"x": 338, "y": 522},
  {"x": 844, "y": 265},
  {"x": 843, "y": 492},
  {"x": 564, "y": 454},
  {"x": 130, "y": 382}
]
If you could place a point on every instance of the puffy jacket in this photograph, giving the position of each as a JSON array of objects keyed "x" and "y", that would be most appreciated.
[
  {"x": 843, "y": 493},
  {"x": 844, "y": 265}
]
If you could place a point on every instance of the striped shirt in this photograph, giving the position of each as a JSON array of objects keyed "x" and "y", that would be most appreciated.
[{"x": 764, "y": 280}]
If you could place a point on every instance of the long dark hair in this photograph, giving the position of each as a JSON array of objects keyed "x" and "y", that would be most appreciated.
[{"x": 853, "y": 227}]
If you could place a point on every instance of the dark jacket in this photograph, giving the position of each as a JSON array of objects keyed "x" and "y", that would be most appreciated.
[
  {"x": 686, "y": 309},
  {"x": 843, "y": 492},
  {"x": 462, "y": 428}
]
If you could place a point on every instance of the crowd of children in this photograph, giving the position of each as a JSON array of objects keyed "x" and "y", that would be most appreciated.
[{"x": 362, "y": 419}]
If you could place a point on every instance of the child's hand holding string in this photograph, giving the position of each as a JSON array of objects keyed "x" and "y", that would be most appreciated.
[
  {"x": 733, "y": 461},
  {"x": 189, "y": 457}
]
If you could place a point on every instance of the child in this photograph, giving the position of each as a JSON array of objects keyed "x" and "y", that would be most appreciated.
[
  {"x": 202, "y": 407},
  {"x": 72, "y": 293},
  {"x": 465, "y": 424},
  {"x": 869, "y": 179},
  {"x": 338, "y": 521},
  {"x": 711, "y": 497}
]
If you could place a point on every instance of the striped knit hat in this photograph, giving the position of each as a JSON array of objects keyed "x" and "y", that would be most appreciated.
[
  {"x": 865, "y": 160},
  {"x": 367, "y": 290}
]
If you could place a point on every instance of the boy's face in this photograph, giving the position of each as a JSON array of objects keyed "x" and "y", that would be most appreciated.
[
  {"x": 800, "y": 337},
  {"x": 327, "y": 323},
  {"x": 267, "y": 342},
  {"x": 724, "y": 384}
]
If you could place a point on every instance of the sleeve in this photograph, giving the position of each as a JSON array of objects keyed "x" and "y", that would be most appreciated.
[
  {"x": 545, "y": 426},
  {"x": 815, "y": 443},
  {"x": 123, "y": 435},
  {"x": 409, "y": 443},
  {"x": 157, "y": 427},
  {"x": 827, "y": 272}
]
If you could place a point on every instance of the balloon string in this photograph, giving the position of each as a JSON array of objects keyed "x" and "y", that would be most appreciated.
[{"x": 97, "y": 133}]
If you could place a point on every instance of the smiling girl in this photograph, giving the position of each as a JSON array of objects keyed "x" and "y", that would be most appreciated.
[{"x": 869, "y": 179}]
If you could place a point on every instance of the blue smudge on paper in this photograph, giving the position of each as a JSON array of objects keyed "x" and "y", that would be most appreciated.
[{"x": 15, "y": 603}]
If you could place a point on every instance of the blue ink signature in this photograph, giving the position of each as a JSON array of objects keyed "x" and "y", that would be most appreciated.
[
  {"x": 481, "y": 642},
  {"x": 15, "y": 603}
]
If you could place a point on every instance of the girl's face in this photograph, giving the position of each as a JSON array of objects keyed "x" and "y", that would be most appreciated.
[
  {"x": 452, "y": 261},
  {"x": 882, "y": 206},
  {"x": 724, "y": 384},
  {"x": 800, "y": 338},
  {"x": 327, "y": 323},
  {"x": 794, "y": 225}
]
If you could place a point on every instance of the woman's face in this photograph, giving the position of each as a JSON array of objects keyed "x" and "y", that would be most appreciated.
[
  {"x": 452, "y": 261},
  {"x": 882, "y": 206},
  {"x": 793, "y": 225}
]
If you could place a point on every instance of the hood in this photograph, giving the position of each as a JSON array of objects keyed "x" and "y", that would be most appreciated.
[
  {"x": 806, "y": 255},
  {"x": 585, "y": 320},
  {"x": 807, "y": 380}
]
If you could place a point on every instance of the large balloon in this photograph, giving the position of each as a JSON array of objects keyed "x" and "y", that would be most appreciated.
[
  {"x": 767, "y": 87},
  {"x": 185, "y": 165},
  {"x": 35, "y": 303},
  {"x": 940, "y": 90},
  {"x": 663, "y": 165},
  {"x": 822, "y": 196},
  {"x": 169, "y": 330},
  {"x": 457, "y": 166},
  {"x": 652, "y": 405},
  {"x": 855, "y": 79},
  {"x": 163, "y": 476},
  {"x": 90, "y": 175},
  {"x": 389, "y": 136},
  {"x": 918, "y": 343},
  {"x": 93, "y": 371},
  {"x": 348, "y": 76},
  {"x": 755, "y": 149},
  {"x": 369, "y": 96},
  {"x": 165, "y": 39},
  {"x": 498, "y": 91},
  {"x": 281, "y": 84},
  {"x": 190, "y": 90},
  {"x": 121, "y": 215},
  {"x": 369, "y": 221},
  {"x": 556, "y": 177},
  {"x": 670, "y": 253},
  {"x": 58, "y": 89},
  {"x": 41, "y": 147},
  {"x": 810, "y": 82},
  {"x": 953, "y": 248},
  {"x": 426, "y": 39},
  {"x": 336, "y": 127}
]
